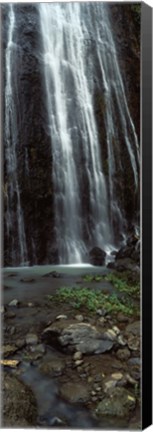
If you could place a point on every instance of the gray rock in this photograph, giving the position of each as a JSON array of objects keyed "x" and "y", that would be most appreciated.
[
  {"x": 119, "y": 403},
  {"x": 81, "y": 337},
  {"x": 31, "y": 339}
]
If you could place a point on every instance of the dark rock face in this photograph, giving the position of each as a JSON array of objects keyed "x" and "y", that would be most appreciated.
[
  {"x": 97, "y": 256},
  {"x": 33, "y": 137}
]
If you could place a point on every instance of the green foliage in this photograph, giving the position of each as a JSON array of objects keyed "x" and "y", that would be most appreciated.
[
  {"x": 91, "y": 278},
  {"x": 93, "y": 300},
  {"x": 122, "y": 284}
]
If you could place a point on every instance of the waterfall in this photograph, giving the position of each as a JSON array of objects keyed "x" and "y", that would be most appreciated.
[
  {"x": 14, "y": 214},
  {"x": 69, "y": 79},
  {"x": 73, "y": 132},
  {"x": 71, "y": 152}
]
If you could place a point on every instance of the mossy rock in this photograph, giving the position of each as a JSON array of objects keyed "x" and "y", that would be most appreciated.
[{"x": 119, "y": 403}]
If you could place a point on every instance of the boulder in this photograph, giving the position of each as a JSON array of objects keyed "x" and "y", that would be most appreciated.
[
  {"x": 81, "y": 337},
  {"x": 97, "y": 256}
]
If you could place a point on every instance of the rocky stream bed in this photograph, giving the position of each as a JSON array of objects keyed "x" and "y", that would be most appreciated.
[{"x": 73, "y": 368}]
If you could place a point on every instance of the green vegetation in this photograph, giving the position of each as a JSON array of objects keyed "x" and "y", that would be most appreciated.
[
  {"x": 91, "y": 278},
  {"x": 122, "y": 284},
  {"x": 81, "y": 297}
]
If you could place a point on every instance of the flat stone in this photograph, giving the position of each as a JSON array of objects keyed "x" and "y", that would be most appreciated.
[
  {"x": 74, "y": 392},
  {"x": 31, "y": 339},
  {"x": 14, "y": 302}
]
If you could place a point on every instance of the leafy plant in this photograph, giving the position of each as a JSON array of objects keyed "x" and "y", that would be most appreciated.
[{"x": 93, "y": 300}]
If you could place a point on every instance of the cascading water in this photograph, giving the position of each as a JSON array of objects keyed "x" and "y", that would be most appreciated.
[
  {"x": 77, "y": 158},
  {"x": 14, "y": 214},
  {"x": 71, "y": 154}
]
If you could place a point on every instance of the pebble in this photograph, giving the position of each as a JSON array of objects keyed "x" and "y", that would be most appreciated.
[
  {"x": 121, "y": 341},
  {"x": 101, "y": 320},
  {"x": 14, "y": 302},
  {"x": 78, "y": 362},
  {"x": 90, "y": 379},
  {"x": 2, "y": 309},
  {"x": 110, "y": 334},
  {"x": 93, "y": 393},
  {"x": 40, "y": 348},
  {"x": 30, "y": 304},
  {"x": 130, "y": 379},
  {"x": 116, "y": 330},
  {"x": 98, "y": 389},
  {"x": 94, "y": 398},
  {"x": 109, "y": 385},
  {"x": 59, "y": 317},
  {"x": 12, "y": 331},
  {"x": 31, "y": 339},
  {"x": 123, "y": 354},
  {"x": 122, "y": 318},
  {"x": 77, "y": 355},
  {"x": 117, "y": 376},
  {"x": 101, "y": 312},
  {"x": 79, "y": 318}
]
